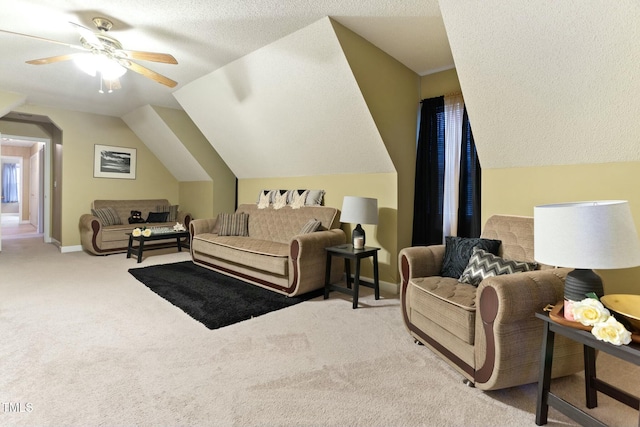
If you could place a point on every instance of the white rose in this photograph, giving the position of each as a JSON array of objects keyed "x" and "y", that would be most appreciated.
[
  {"x": 589, "y": 311},
  {"x": 147, "y": 232},
  {"x": 611, "y": 331},
  {"x": 136, "y": 232}
]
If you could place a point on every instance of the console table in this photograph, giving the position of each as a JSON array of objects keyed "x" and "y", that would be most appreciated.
[
  {"x": 630, "y": 353},
  {"x": 177, "y": 235},
  {"x": 348, "y": 252}
]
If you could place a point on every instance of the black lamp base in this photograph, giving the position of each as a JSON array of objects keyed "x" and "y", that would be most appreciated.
[
  {"x": 577, "y": 285},
  {"x": 358, "y": 233}
]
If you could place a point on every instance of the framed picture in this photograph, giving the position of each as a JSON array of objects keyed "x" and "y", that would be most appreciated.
[{"x": 114, "y": 162}]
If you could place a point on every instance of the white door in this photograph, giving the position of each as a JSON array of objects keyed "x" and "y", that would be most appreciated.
[{"x": 34, "y": 191}]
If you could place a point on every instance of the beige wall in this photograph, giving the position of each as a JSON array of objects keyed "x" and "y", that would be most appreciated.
[
  {"x": 517, "y": 190},
  {"x": 438, "y": 84},
  {"x": 392, "y": 94},
  {"x": 380, "y": 186},
  {"x": 80, "y": 132},
  {"x": 197, "y": 198}
]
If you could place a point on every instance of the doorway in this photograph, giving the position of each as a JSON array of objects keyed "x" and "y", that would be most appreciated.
[{"x": 23, "y": 172}]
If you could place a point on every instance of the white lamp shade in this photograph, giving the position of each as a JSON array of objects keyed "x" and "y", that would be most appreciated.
[
  {"x": 586, "y": 235},
  {"x": 359, "y": 210}
]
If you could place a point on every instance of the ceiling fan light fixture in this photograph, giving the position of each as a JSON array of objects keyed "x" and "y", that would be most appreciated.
[{"x": 94, "y": 64}]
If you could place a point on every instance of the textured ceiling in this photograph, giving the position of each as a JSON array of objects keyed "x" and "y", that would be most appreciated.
[
  {"x": 202, "y": 35},
  {"x": 548, "y": 82}
]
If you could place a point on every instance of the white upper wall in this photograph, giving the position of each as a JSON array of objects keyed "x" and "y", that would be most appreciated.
[
  {"x": 160, "y": 139},
  {"x": 292, "y": 108},
  {"x": 548, "y": 82}
]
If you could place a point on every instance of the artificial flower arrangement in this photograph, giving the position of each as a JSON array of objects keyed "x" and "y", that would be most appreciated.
[
  {"x": 179, "y": 227},
  {"x": 605, "y": 327},
  {"x": 137, "y": 232}
]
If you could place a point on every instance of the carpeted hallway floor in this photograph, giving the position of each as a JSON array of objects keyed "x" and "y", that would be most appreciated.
[{"x": 83, "y": 343}]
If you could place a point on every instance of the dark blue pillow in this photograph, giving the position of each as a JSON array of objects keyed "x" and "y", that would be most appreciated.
[
  {"x": 157, "y": 216},
  {"x": 458, "y": 250}
]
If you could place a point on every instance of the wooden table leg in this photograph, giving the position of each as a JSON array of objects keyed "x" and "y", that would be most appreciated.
[
  {"x": 376, "y": 282},
  {"x": 327, "y": 275},
  {"x": 140, "y": 248},
  {"x": 590, "y": 377},
  {"x": 130, "y": 246},
  {"x": 347, "y": 269},
  {"x": 179, "y": 244},
  {"x": 544, "y": 380},
  {"x": 356, "y": 284}
]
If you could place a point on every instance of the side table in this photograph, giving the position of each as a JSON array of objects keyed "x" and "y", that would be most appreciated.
[
  {"x": 630, "y": 353},
  {"x": 348, "y": 252}
]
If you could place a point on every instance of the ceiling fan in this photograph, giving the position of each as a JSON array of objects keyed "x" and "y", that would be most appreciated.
[{"x": 104, "y": 54}]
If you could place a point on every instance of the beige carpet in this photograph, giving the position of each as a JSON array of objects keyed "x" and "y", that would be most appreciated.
[{"x": 83, "y": 343}]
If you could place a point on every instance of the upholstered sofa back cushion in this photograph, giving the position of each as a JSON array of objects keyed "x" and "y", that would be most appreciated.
[
  {"x": 124, "y": 207},
  {"x": 516, "y": 234},
  {"x": 280, "y": 225}
]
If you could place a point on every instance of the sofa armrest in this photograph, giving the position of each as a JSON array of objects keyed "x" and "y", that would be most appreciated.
[
  {"x": 199, "y": 226},
  {"x": 508, "y": 335},
  {"x": 420, "y": 261},
  {"x": 184, "y": 218},
  {"x": 90, "y": 233},
  {"x": 307, "y": 259}
]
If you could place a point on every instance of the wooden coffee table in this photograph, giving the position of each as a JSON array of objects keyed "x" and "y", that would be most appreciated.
[{"x": 165, "y": 235}]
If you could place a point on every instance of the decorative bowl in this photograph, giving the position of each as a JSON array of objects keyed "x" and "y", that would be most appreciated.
[{"x": 626, "y": 305}]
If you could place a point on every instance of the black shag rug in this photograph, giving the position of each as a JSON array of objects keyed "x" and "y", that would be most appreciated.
[{"x": 212, "y": 298}]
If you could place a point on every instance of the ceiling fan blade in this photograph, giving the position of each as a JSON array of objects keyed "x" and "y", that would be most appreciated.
[
  {"x": 73, "y": 46},
  {"x": 150, "y": 74},
  {"x": 87, "y": 34},
  {"x": 165, "y": 58},
  {"x": 52, "y": 59}
]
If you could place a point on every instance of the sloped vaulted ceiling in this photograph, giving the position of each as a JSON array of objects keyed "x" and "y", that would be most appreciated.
[
  {"x": 292, "y": 108},
  {"x": 548, "y": 82}
]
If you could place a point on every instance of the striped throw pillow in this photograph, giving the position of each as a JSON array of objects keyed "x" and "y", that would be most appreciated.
[
  {"x": 173, "y": 212},
  {"x": 311, "y": 226},
  {"x": 107, "y": 216},
  {"x": 233, "y": 224}
]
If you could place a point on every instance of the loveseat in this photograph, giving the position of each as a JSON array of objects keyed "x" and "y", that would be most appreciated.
[
  {"x": 278, "y": 249},
  {"x": 488, "y": 333},
  {"x": 104, "y": 230}
]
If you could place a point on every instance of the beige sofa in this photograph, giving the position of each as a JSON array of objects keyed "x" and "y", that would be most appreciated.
[
  {"x": 275, "y": 253},
  {"x": 103, "y": 238},
  {"x": 490, "y": 333}
]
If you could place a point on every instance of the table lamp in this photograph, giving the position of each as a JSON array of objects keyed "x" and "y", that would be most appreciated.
[
  {"x": 359, "y": 210},
  {"x": 585, "y": 236}
]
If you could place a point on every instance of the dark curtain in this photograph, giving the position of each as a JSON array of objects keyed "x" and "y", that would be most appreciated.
[
  {"x": 469, "y": 203},
  {"x": 429, "y": 184}
]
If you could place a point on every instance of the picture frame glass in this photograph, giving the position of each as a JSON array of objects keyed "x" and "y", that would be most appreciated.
[{"x": 114, "y": 162}]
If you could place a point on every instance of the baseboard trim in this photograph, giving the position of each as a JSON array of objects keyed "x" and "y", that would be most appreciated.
[{"x": 66, "y": 249}]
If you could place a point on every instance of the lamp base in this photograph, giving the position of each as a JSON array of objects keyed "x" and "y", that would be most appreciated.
[
  {"x": 358, "y": 237},
  {"x": 577, "y": 285}
]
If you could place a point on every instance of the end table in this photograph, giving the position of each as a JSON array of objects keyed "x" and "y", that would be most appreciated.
[{"x": 348, "y": 252}]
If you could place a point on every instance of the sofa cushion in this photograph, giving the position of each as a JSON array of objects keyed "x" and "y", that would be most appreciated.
[
  {"x": 458, "y": 250},
  {"x": 446, "y": 302},
  {"x": 107, "y": 216},
  {"x": 483, "y": 264},
  {"x": 272, "y": 257},
  {"x": 233, "y": 224}
]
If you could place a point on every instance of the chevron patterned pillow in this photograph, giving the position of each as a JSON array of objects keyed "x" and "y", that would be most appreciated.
[{"x": 482, "y": 264}]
